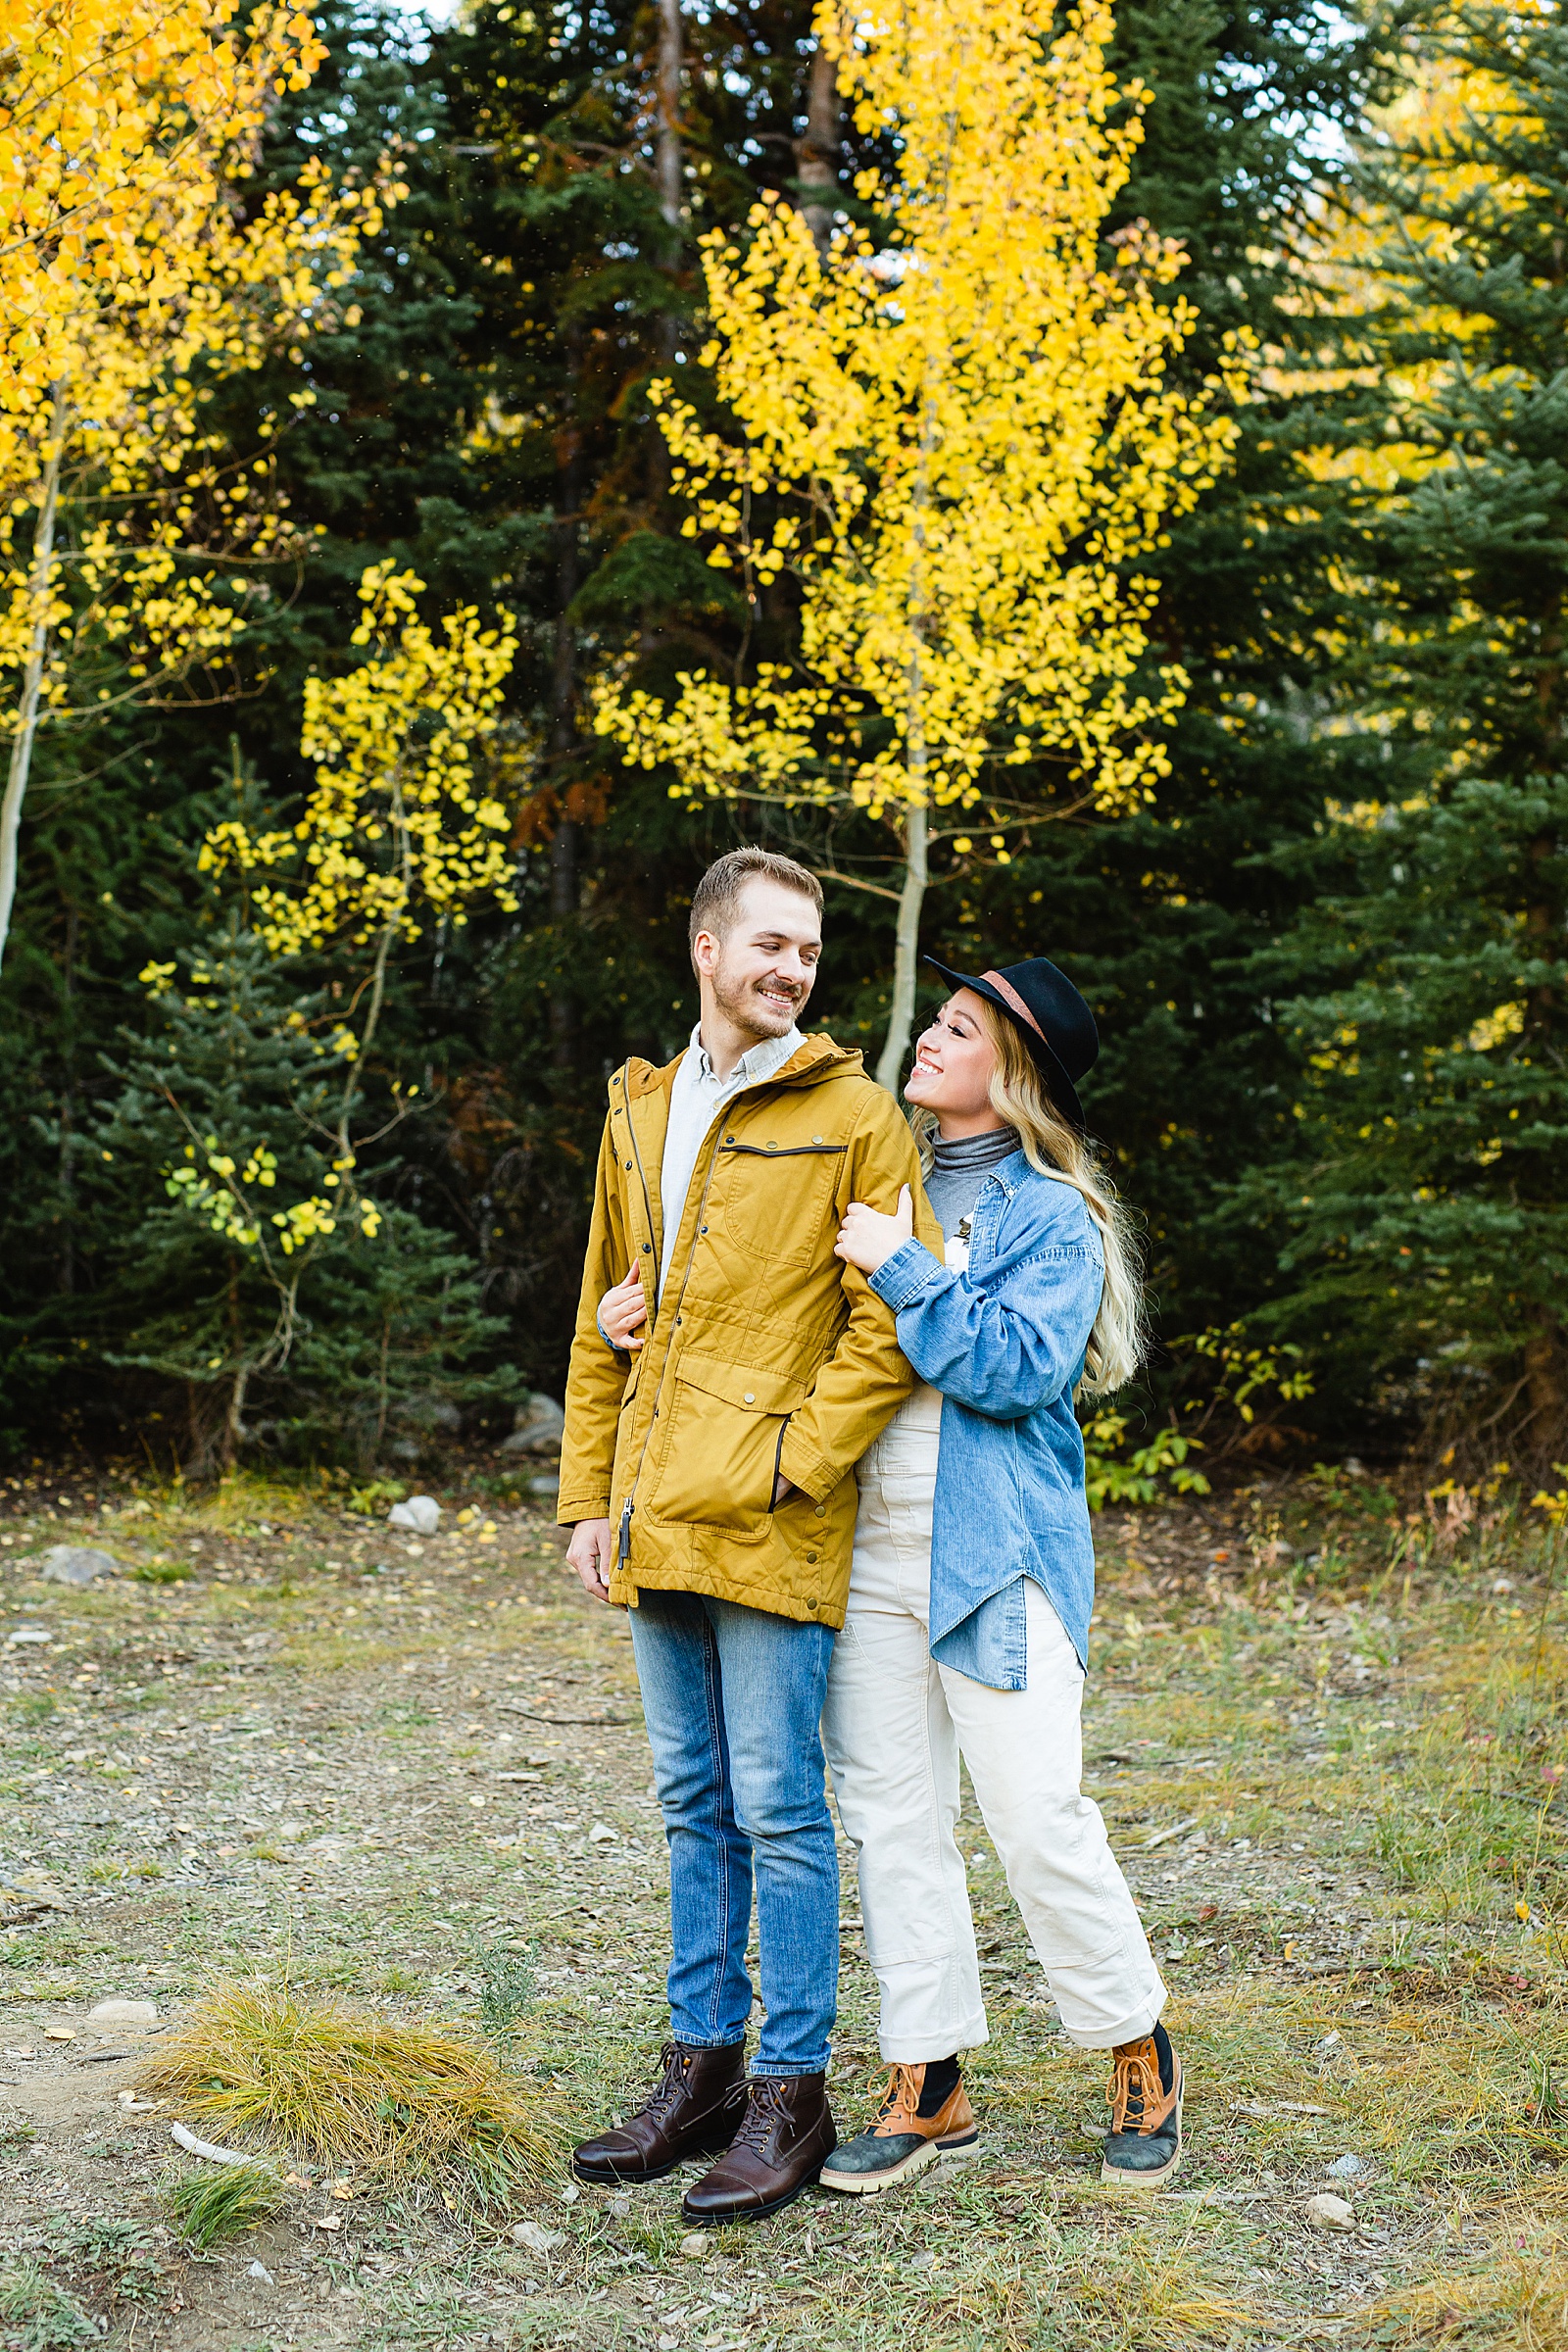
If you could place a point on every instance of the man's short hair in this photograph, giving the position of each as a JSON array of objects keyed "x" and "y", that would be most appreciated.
[{"x": 716, "y": 899}]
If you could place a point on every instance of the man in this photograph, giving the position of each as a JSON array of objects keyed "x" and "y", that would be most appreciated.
[{"x": 709, "y": 1472}]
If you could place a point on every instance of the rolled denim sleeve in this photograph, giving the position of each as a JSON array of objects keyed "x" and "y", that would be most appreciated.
[
  {"x": 1002, "y": 1351},
  {"x": 899, "y": 1279}
]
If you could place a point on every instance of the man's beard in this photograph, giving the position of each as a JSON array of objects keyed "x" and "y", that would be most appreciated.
[{"x": 744, "y": 1004}]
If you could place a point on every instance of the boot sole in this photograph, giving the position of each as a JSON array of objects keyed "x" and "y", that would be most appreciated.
[
  {"x": 872, "y": 2184},
  {"x": 1113, "y": 2176},
  {"x": 748, "y": 2213}
]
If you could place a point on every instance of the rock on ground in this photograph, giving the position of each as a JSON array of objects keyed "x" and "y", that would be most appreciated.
[{"x": 76, "y": 1564}]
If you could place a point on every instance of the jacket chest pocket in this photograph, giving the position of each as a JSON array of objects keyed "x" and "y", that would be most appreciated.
[
  {"x": 718, "y": 1454},
  {"x": 775, "y": 1198}
]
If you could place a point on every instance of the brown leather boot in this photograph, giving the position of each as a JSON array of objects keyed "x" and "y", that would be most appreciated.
[
  {"x": 784, "y": 2140},
  {"x": 693, "y": 2112}
]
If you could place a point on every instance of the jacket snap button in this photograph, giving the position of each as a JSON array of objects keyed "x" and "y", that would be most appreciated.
[
  {"x": 816, "y": 1139},
  {"x": 821, "y": 1510},
  {"x": 701, "y": 1228},
  {"x": 810, "y": 1562},
  {"x": 749, "y": 1398},
  {"x": 772, "y": 1147},
  {"x": 648, "y": 1246}
]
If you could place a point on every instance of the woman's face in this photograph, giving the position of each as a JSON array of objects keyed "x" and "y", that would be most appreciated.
[{"x": 954, "y": 1063}]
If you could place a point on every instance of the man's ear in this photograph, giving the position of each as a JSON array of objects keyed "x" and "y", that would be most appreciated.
[{"x": 705, "y": 950}]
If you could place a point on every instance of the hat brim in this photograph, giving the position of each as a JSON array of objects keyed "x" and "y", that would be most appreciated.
[{"x": 1064, "y": 1094}]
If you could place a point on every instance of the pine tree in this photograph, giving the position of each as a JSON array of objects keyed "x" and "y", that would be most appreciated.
[
  {"x": 1428, "y": 1204},
  {"x": 252, "y": 1269}
]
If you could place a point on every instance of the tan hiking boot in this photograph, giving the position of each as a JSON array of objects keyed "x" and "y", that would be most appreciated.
[
  {"x": 1144, "y": 2145},
  {"x": 903, "y": 2140}
]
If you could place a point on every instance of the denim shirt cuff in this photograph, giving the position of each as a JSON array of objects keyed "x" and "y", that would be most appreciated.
[
  {"x": 609, "y": 1341},
  {"x": 899, "y": 1279}
]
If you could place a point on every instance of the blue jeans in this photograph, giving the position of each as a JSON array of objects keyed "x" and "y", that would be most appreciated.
[{"x": 733, "y": 1699}]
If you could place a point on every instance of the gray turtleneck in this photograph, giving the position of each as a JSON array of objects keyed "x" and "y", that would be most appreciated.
[{"x": 960, "y": 1168}]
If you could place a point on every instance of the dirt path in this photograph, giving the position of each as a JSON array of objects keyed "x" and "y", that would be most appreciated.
[{"x": 415, "y": 1773}]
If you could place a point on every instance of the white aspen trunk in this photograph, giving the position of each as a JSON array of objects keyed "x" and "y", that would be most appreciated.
[
  {"x": 917, "y": 822},
  {"x": 669, "y": 180},
  {"x": 27, "y": 722},
  {"x": 907, "y": 949},
  {"x": 668, "y": 153},
  {"x": 384, "y": 950},
  {"x": 817, "y": 154}
]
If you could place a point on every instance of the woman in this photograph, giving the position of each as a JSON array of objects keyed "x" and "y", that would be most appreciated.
[{"x": 971, "y": 1590}]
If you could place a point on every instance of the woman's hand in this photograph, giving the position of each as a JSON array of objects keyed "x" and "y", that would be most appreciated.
[
  {"x": 868, "y": 1238},
  {"x": 621, "y": 1310}
]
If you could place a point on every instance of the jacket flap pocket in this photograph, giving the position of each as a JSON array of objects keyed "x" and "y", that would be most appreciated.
[{"x": 734, "y": 1384}]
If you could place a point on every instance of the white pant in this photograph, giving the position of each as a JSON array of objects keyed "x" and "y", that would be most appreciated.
[{"x": 895, "y": 1725}]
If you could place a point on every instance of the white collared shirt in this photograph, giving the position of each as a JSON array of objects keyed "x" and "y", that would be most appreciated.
[{"x": 694, "y": 1101}]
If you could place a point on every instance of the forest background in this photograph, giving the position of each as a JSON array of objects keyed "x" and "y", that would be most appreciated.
[{"x": 313, "y": 1188}]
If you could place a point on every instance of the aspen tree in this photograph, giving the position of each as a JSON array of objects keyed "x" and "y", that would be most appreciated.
[
  {"x": 399, "y": 829},
  {"x": 955, "y": 433},
  {"x": 130, "y": 276}
]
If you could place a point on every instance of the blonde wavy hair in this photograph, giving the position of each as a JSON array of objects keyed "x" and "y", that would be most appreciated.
[{"x": 1019, "y": 1098}]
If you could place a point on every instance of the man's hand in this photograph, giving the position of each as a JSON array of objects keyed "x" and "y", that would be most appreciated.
[
  {"x": 621, "y": 1310},
  {"x": 589, "y": 1553},
  {"x": 868, "y": 1238}
]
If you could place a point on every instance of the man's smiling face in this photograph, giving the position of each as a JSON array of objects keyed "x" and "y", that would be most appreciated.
[{"x": 762, "y": 970}]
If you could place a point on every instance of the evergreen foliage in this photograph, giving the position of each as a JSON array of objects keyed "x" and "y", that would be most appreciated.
[
  {"x": 1343, "y": 909},
  {"x": 1428, "y": 1207}
]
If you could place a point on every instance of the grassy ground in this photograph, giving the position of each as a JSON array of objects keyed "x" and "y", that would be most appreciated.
[{"x": 288, "y": 1749}]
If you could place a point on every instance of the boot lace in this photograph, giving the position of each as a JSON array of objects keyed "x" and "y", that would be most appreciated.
[
  {"x": 662, "y": 2099},
  {"x": 766, "y": 2107},
  {"x": 898, "y": 2091},
  {"x": 1135, "y": 2086}
]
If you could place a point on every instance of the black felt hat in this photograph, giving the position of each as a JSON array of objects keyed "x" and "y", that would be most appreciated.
[{"x": 1052, "y": 1019}]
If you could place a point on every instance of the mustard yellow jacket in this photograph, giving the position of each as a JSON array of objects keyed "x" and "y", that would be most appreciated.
[{"x": 763, "y": 1353}]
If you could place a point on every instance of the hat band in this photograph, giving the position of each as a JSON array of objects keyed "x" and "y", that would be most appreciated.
[{"x": 1016, "y": 1003}]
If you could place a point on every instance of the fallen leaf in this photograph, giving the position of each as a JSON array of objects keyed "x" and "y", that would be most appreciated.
[
  {"x": 326, "y": 2220},
  {"x": 537, "y": 2240},
  {"x": 60, "y": 2033}
]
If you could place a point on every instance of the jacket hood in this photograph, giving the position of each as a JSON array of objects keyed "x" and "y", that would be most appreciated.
[{"x": 816, "y": 1059}]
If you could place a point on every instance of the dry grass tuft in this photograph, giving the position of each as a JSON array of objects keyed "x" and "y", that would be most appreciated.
[
  {"x": 207, "y": 2206},
  {"x": 345, "y": 2088},
  {"x": 1156, "y": 2294},
  {"x": 1519, "y": 2304}
]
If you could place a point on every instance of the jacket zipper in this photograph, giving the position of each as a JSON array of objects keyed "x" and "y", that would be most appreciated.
[
  {"x": 624, "y": 1540},
  {"x": 648, "y": 1203}
]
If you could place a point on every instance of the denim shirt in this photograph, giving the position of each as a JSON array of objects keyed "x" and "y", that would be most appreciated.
[{"x": 1004, "y": 1344}]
